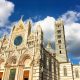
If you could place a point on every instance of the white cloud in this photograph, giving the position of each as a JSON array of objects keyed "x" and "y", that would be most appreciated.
[
  {"x": 70, "y": 17},
  {"x": 72, "y": 33},
  {"x": 6, "y": 9},
  {"x": 72, "y": 30},
  {"x": 72, "y": 27},
  {"x": 47, "y": 25}
]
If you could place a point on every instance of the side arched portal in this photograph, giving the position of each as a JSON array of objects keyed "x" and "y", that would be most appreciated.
[
  {"x": 2, "y": 62},
  {"x": 10, "y": 68}
]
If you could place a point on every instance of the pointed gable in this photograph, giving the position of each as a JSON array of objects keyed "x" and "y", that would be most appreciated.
[
  {"x": 20, "y": 26},
  {"x": 5, "y": 40}
]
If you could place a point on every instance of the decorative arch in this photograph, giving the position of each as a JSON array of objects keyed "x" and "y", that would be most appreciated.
[
  {"x": 11, "y": 60},
  {"x": 23, "y": 58},
  {"x": 1, "y": 60}
]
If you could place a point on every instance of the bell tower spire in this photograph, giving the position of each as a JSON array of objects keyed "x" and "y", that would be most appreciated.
[{"x": 61, "y": 54}]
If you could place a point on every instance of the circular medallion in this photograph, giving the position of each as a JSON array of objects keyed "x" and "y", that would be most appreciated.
[{"x": 18, "y": 40}]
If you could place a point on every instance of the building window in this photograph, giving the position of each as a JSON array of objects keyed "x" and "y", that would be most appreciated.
[
  {"x": 42, "y": 76},
  {"x": 58, "y": 31},
  {"x": 76, "y": 73},
  {"x": 65, "y": 71},
  {"x": 59, "y": 41},
  {"x": 45, "y": 61},
  {"x": 58, "y": 26},
  {"x": 60, "y": 52},
  {"x": 59, "y": 46},
  {"x": 59, "y": 36},
  {"x": 50, "y": 66}
]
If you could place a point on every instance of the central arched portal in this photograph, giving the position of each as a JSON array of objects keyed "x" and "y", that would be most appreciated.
[{"x": 26, "y": 60}]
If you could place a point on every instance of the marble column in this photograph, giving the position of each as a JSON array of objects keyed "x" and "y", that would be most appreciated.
[
  {"x": 19, "y": 73},
  {"x": 6, "y": 73}
]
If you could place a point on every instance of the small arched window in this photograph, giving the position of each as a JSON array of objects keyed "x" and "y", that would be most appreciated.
[
  {"x": 50, "y": 65},
  {"x": 60, "y": 51},
  {"x": 65, "y": 71},
  {"x": 76, "y": 73}
]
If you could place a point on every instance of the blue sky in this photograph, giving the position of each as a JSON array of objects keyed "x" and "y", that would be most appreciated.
[
  {"x": 45, "y": 12},
  {"x": 43, "y": 8}
]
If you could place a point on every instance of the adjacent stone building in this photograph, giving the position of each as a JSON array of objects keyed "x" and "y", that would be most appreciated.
[{"x": 23, "y": 56}]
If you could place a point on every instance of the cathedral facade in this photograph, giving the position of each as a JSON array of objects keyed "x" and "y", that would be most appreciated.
[{"x": 23, "y": 56}]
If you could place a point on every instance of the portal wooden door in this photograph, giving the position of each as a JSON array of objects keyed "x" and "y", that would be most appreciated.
[
  {"x": 26, "y": 75},
  {"x": 1, "y": 73}
]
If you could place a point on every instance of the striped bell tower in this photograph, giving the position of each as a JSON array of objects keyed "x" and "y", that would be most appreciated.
[{"x": 60, "y": 44}]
